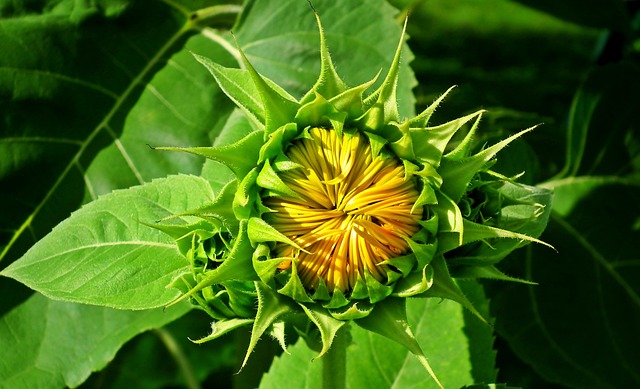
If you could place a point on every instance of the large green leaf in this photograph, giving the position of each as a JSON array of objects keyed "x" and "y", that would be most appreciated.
[
  {"x": 51, "y": 344},
  {"x": 75, "y": 79},
  {"x": 578, "y": 327},
  {"x": 457, "y": 345},
  {"x": 103, "y": 254}
]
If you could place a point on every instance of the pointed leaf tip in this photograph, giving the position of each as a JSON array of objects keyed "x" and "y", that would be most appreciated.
[
  {"x": 279, "y": 106},
  {"x": 386, "y": 94},
  {"x": 457, "y": 174},
  {"x": 329, "y": 83}
]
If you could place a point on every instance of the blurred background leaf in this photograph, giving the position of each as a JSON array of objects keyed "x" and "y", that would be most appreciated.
[{"x": 578, "y": 327}]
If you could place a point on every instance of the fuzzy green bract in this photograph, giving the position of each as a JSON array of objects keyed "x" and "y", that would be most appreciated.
[{"x": 473, "y": 217}]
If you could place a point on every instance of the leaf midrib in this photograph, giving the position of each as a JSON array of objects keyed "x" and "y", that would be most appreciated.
[{"x": 89, "y": 247}]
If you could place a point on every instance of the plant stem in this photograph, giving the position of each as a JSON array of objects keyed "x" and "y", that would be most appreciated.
[
  {"x": 178, "y": 355},
  {"x": 334, "y": 362}
]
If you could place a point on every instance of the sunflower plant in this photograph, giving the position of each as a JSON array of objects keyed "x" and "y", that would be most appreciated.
[{"x": 337, "y": 210}]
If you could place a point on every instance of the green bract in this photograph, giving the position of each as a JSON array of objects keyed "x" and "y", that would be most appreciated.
[{"x": 230, "y": 249}]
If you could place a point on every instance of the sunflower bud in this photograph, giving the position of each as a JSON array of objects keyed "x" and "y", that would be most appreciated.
[{"x": 340, "y": 209}]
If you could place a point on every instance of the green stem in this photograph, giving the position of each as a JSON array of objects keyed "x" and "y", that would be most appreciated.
[
  {"x": 178, "y": 355},
  {"x": 334, "y": 362}
]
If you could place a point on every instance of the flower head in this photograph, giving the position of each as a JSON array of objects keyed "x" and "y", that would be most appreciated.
[
  {"x": 341, "y": 209},
  {"x": 349, "y": 212}
]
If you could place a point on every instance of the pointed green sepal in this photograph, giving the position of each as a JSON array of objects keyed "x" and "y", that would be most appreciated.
[
  {"x": 376, "y": 142},
  {"x": 329, "y": 83},
  {"x": 218, "y": 211},
  {"x": 464, "y": 149},
  {"x": 338, "y": 300},
  {"x": 294, "y": 288},
  {"x": 271, "y": 306},
  {"x": 429, "y": 143},
  {"x": 242, "y": 204},
  {"x": 259, "y": 231},
  {"x": 350, "y": 101},
  {"x": 279, "y": 107},
  {"x": 430, "y": 225},
  {"x": 389, "y": 319},
  {"x": 386, "y": 94},
  {"x": 424, "y": 252},
  {"x": 327, "y": 325},
  {"x": 415, "y": 283},
  {"x": 282, "y": 163},
  {"x": 240, "y": 157},
  {"x": 187, "y": 236},
  {"x": 269, "y": 179},
  {"x": 276, "y": 141},
  {"x": 221, "y": 327},
  {"x": 450, "y": 218},
  {"x": 242, "y": 297},
  {"x": 488, "y": 272},
  {"x": 239, "y": 87},
  {"x": 235, "y": 266},
  {"x": 402, "y": 144},
  {"x": 373, "y": 119},
  {"x": 264, "y": 266},
  {"x": 321, "y": 292},
  {"x": 445, "y": 287},
  {"x": 278, "y": 333},
  {"x": 474, "y": 232},
  {"x": 320, "y": 112},
  {"x": 427, "y": 197},
  {"x": 404, "y": 264},
  {"x": 422, "y": 119},
  {"x": 360, "y": 291},
  {"x": 356, "y": 310},
  {"x": 377, "y": 291},
  {"x": 458, "y": 173}
]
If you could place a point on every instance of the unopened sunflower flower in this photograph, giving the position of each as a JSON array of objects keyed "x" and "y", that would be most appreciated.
[{"x": 340, "y": 210}]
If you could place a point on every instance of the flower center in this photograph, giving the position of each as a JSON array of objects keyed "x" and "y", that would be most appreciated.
[{"x": 352, "y": 213}]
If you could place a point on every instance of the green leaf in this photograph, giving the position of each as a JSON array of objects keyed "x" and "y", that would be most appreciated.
[
  {"x": 578, "y": 327},
  {"x": 458, "y": 346},
  {"x": 103, "y": 255},
  {"x": 82, "y": 100},
  {"x": 38, "y": 336}
]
